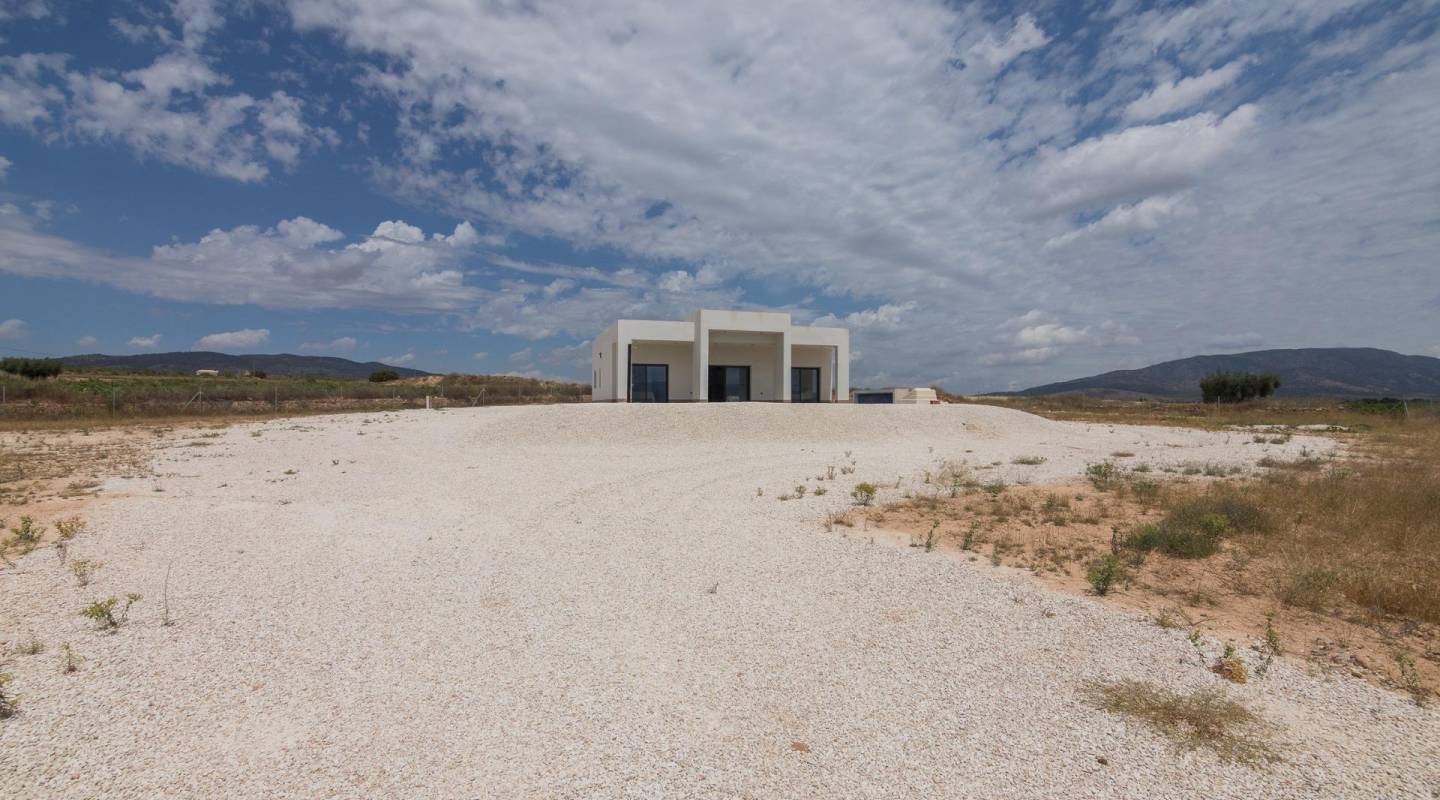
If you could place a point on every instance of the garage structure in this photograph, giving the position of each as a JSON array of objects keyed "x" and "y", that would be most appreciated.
[{"x": 721, "y": 357}]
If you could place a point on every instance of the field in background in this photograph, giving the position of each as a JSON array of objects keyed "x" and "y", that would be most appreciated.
[
  {"x": 93, "y": 396},
  {"x": 1346, "y": 553}
]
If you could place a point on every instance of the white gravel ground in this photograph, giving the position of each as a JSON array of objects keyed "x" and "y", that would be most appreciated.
[{"x": 591, "y": 601}]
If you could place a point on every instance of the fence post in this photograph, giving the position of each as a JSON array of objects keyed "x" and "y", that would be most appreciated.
[{"x": 427, "y": 402}]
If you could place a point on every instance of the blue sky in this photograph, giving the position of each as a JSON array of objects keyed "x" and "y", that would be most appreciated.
[{"x": 989, "y": 195}]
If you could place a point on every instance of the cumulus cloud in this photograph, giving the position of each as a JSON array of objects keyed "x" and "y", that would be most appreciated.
[
  {"x": 13, "y": 328},
  {"x": 296, "y": 264},
  {"x": 405, "y": 359},
  {"x": 146, "y": 342},
  {"x": 233, "y": 340},
  {"x": 5, "y": 165},
  {"x": 87, "y": 341}
]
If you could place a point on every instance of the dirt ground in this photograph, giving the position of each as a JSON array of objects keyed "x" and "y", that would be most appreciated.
[{"x": 1050, "y": 532}]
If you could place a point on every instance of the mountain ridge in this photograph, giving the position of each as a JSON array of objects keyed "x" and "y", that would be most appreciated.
[
  {"x": 187, "y": 361},
  {"x": 1339, "y": 372}
]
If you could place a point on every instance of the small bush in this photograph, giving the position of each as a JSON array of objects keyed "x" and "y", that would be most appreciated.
[
  {"x": 821, "y": 491},
  {"x": 800, "y": 490},
  {"x": 105, "y": 615},
  {"x": 864, "y": 493},
  {"x": 384, "y": 376},
  {"x": 70, "y": 527},
  {"x": 1105, "y": 573},
  {"x": 1236, "y": 387},
  {"x": 1103, "y": 476},
  {"x": 84, "y": 569},
  {"x": 26, "y": 535},
  {"x": 1029, "y": 461}
]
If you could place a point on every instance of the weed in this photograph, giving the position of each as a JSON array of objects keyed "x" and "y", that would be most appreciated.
[
  {"x": 69, "y": 661},
  {"x": 84, "y": 569},
  {"x": 821, "y": 491},
  {"x": 9, "y": 706},
  {"x": 759, "y": 492},
  {"x": 800, "y": 490},
  {"x": 1410, "y": 677},
  {"x": 1122, "y": 454},
  {"x": 1104, "y": 573},
  {"x": 105, "y": 615},
  {"x": 1029, "y": 461},
  {"x": 31, "y": 647},
  {"x": 830, "y": 473},
  {"x": 70, "y": 527},
  {"x": 1272, "y": 647},
  {"x": 782, "y": 498},
  {"x": 1230, "y": 666},
  {"x": 864, "y": 493},
  {"x": 1203, "y": 718},
  {"x": 27, "y": 534},
  {"x": 994, "y": 488},
  {"x": 848, "y": 470},
  {"x": 1103, "y": 476}
]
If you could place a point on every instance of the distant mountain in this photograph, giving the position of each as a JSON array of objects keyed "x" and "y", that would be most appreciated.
[
  {"x": 1308, "y": 372},
  {"x": 282, "y": 364}
]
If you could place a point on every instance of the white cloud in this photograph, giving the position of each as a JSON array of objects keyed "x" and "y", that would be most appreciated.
[
  {"x": 344, "y": 344},
  {"x": 1129, "y": 219},
  {"x": 173, "y": 110},
  {"x": 399, "y": 361},
  {"x": 5, "y": 165},
  {"x": 293, "y": 265},
  {"x": 13, "y": 329},
  {"x": 1138, "y": 161},
  {"x": 1025, "y": 36},
  {"x": 1178, "y": 95},
  {"x": 233, "y": 340},
  {"x": 24, "y": 9},
  {"x": 1247, "y": 340},
  {"x": 479, "y": 356},
  {"x": 87, "y": 341},
  {"x": 146, "y": 342}
]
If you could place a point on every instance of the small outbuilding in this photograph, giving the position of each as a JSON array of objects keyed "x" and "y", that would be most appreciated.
[
  {"x": 904, "y": 396},
  {"x": 206, "y": 373}
]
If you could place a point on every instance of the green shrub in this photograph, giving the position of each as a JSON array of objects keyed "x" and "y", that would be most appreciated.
[
  {"x": 104, "y": 613},
  {"x": 864, "y": 493},
  {"x": 1104, "y": 573},
  {"x": 384, "y": 376},
  {"x": 1103, "y": 476}
]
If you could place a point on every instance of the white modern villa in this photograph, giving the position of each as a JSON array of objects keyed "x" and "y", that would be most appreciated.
[{"x": 720, "y": 356}]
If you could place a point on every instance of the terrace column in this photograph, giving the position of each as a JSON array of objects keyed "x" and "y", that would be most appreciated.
[
  {"x": 784, "y": 365},
  {"x": 700, "y": 361},
  {"x": 842, "y": 371},
  {"x": 622, "y": 364}
]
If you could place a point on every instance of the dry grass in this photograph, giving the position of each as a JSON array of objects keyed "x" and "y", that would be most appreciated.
[
  {"x": 1203, "y": 719},
  {"x": 1346, "y": 552}
]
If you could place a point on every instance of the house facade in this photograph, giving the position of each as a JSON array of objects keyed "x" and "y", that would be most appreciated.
[{"x": 720, "y": 356}]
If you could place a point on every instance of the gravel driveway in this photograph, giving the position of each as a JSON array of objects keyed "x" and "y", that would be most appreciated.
[{"x": 592, "y": 601}]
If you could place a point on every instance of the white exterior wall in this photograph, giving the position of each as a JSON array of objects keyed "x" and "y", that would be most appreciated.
[
  {"x": 764, "y": 341},
  {"x": 675, "y": 355}
]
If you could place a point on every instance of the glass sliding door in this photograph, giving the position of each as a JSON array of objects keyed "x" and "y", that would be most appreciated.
[
  {"x": 649, "y": 383},
  {"x": 729, "y": 384},
  {"x": 804, "y": 384}
]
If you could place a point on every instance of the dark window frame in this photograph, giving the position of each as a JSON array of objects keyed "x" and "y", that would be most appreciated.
[
  {"x": 796, "y": 385},
  {"x": 720, "y": 387}
]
